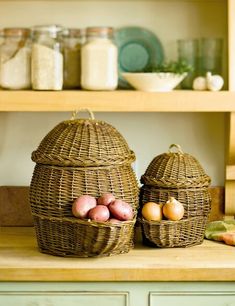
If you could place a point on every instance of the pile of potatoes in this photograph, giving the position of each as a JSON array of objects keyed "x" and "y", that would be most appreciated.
[{"x": 104, "y": 209}]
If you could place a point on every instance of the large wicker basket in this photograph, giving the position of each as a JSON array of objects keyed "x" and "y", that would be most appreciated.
[
  {"x": 81, "y": 156},
  {"x": 179, "y": 175}
]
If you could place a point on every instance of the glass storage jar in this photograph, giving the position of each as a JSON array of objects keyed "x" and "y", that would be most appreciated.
[
  {"x": 99, "y": 59},
  {"x": 15, "y": 59},
  {"x": 47, "y": 58},
  {"x": 72, "y": 41}
]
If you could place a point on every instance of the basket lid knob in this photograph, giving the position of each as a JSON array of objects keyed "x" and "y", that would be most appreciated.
[
  {"x": 176, "y": 147},
  {"x": 75, "y": 113}
]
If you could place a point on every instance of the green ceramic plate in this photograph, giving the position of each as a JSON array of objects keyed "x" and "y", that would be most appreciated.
[{"x": 138, "y": 49}]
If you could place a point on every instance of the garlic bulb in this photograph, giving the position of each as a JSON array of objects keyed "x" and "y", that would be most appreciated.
[
  {"x": 214, "y": 82},
  {"x": 200, "y": 83}
]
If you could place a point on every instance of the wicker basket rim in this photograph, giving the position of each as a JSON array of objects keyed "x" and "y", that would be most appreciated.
[
  {"x": 63, "y": 161},
  {"x": 85, "y": 167},
  {"x": 165, "y": 222},
  {"x": 87, "y": 222},
  {"x": 199, "y": 182},
  {"x": 170, "y": 188}
]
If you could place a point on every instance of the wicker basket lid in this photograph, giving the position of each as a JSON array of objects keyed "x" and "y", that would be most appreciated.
[
  {"x": 175, "y": 170},
  {"x": 83, "y": 143}
]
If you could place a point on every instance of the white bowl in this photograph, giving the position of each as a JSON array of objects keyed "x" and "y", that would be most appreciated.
[{"x": 154, "y": 81}]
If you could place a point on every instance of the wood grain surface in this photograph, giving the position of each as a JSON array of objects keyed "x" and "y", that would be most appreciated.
[
  {"x": 117, "y": 101},
  {"x": 14, "y": 206},
  {"x": 20, "y": 260}
]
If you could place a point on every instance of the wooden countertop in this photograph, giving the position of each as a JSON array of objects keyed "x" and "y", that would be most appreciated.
[{"x": 21, "y": 261}]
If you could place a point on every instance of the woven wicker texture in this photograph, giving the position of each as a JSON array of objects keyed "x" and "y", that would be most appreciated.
[
  {"x": 169, "y": 234},
  {"x": 74, "y": 238},
  {"x": 81, "y": 156},
  {"x": 196, "y": 201},
  {"x": 175, "y": 170},
  {"x": 83, "y": 143},
  {"x": 53, "y": 189},
  {"x": 178, "y": 175}
]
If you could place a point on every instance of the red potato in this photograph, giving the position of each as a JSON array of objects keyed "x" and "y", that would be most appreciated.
[
  {"x": 99, "y": 213},
  {"x": 106, "y": 199},
  {"x": 121, "y": 210},
  {"x": 82, "y": 205}
]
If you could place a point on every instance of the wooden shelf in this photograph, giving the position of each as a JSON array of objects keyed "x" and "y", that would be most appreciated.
[
  {"x": 20, "y": 260},
  {"x": 117, "y": 101}
]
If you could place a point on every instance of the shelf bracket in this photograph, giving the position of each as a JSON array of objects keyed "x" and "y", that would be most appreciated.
[{"x": 230, "y": 171}]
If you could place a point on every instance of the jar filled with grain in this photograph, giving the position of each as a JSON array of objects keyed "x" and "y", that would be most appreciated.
[
  {"x": 72, "y": 42},
  {"x": 99, "y": 58},
  {"x": 15, "y": 59},
  {"x": 47, "y": 58}
]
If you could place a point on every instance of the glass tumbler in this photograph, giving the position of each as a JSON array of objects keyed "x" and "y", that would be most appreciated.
[
  {"x": 211, "y": 55},
  {"x": 188, "y": 51}
]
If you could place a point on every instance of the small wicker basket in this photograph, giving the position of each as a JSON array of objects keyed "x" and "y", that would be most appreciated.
[
  {"x": 81, "y": 156},
  {"x": 179, "y": 175},
  {"x": 169, "y": 234}
]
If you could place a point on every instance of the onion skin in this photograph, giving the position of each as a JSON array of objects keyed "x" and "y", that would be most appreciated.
[
  {"x": 152, "y": 211},
  {"x": 82, "y": 205},
  {"x": 100, "y": 213},
  {"x": 106, "y": 199},
  {"x": 173, "y": 210}
]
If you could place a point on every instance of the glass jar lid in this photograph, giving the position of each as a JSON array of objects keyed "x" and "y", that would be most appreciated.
[
  {"x": 99, "y": 31},
  {"x": 74, "y": 33},
  {"x": 15, "y": 32},
  {"x": 53, "y": 30}
]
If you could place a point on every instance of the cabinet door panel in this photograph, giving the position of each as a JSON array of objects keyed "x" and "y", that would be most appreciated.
[
  {"x": 192, "y": 298},
  {"x": 89, "y": 298}
]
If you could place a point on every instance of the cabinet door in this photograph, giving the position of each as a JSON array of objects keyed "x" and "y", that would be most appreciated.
[
  {"x": 89, "y": 298},
  {"x": 210, "y": 298}
]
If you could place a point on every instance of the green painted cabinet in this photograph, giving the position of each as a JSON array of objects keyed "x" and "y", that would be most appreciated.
[
  {"x": 184, "y": 298},
  {"x": 118, "y": 294},
  {"x": 27, "y": 298}
]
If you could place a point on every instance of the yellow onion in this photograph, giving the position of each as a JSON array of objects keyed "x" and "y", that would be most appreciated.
[
  {"x": 152, "y": 211},
  {"x": 173, "y": 210}
]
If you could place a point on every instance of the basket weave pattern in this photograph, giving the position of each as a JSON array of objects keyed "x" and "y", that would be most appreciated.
[
  {"x": 78, "y": 239},
  {"x": 196, "y": 201},
  {"x": 175, "y": 170},
  {"x": 183, "y": 233},
  {"x": 81, "y": 156},
  {"x": 53, "y": 188},
  {"x": 181, "y": 176},
  {"x": 83, "y": 142}
]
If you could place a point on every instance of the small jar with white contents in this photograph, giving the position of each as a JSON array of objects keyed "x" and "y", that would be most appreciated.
[
  {"x": 99, "y": 60},
  {"x": 47, "y": 58},
  {"x": 15, "y": 59}
]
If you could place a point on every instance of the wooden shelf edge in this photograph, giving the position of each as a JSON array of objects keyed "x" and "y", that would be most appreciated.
[
  {"x": 117, "y": 275},
  {"x": 117, "y": 101}
]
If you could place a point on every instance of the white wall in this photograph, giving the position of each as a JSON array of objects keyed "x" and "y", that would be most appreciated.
[{"x": 148, "y": 134}]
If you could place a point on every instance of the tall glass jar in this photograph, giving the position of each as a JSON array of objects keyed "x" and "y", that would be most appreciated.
[
  {"x": 99, "y": 60},
  {"x": 47, "y": 58},
  {"x": 15, "y": 59},
  {"x": 72, "y": 42}
]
